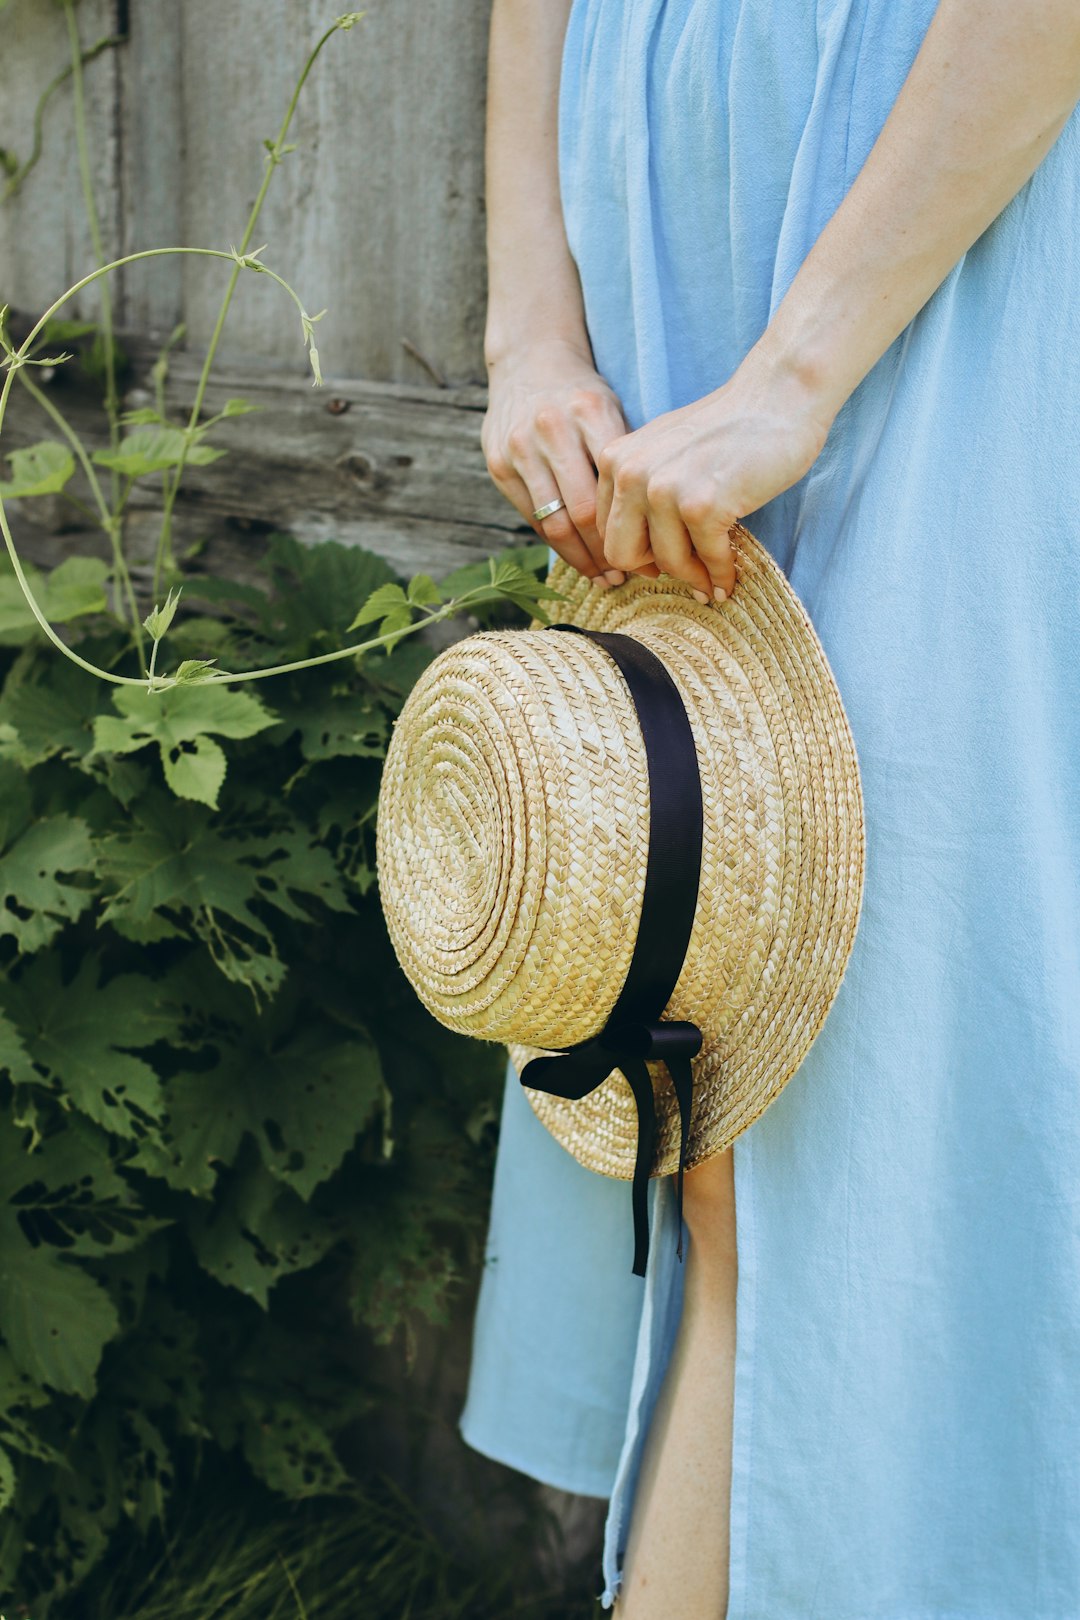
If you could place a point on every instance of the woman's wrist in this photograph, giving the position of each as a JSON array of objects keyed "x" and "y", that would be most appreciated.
[
  {"x": 794, "y": 371},
  {"x": 508, "y": 339}
]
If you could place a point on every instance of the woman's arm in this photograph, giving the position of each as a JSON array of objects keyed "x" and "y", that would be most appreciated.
[
  {"x": 549, "y": 413},
  {"x": 533, "y": 288},
  {"x": 988, "y": 93},
  {"x": 986, "y": 97}
]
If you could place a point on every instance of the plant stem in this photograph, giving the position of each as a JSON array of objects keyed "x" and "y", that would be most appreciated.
[
  {"x": 112, "y": 409},
  {"x": 108, "y": 520},
  {"x": 164, "y": 554},
  {"x": 108, "y": 42},
  {"x": 14, "y": 363}
]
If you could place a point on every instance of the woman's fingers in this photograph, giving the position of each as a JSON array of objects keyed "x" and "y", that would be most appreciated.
[
  {"x": 563, "y": 458},
  {"x": 570, "y": 545},
  {"x": 709, "y": 533},
  {"x": 545, "y": 455},
  {"x": 621, "y": 513},
  {"x": 673, "y": 548},
  {"x": 684, "y": 527}
]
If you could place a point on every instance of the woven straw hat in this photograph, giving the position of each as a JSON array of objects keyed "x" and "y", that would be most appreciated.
[{"x": 513, "y": 838}]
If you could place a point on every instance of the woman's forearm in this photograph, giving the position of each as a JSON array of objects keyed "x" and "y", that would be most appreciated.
[
  {"x": 533, "y": 287},
  {"x": 987, "y": 95}
]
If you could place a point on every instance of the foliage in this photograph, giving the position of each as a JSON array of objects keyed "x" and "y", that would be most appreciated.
[
  {"x": 230, "y": 1135},
  {"x": 368, "y": 1554},
  {"x": 231, "y": 1139}
]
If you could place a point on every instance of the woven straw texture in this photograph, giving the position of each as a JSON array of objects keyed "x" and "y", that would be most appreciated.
[{"x": 513, "y": 830}]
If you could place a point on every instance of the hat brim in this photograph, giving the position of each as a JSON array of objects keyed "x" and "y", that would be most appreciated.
[{"x": 777, "y": 754}]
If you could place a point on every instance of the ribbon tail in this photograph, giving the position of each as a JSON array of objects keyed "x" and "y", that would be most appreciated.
[
  {"x": 683, "y": 1082},
  {"x": 640, "y": 1082}
]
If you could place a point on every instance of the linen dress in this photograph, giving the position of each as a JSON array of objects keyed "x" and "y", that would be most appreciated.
[{"x": 906, "y": 1436}]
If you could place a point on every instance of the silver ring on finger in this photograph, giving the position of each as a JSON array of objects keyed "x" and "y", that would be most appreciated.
[{"x": 546, "y": 511}]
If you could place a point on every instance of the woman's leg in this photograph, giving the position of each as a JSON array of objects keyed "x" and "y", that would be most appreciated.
[{"x": 677, "y": 1557}]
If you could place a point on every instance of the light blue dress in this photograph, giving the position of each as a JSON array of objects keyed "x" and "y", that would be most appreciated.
[{"x": 906, "y": 1440}]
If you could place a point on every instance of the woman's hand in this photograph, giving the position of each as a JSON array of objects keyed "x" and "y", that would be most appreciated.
[
  {"x": 669, "y": 492},
  {"x": 549, "y": 417}
]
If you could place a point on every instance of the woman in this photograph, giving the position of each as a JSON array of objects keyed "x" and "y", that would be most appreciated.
[{"x": 814, "y": 263}]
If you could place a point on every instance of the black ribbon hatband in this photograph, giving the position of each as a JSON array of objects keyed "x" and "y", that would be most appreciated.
[{"x": 635, "y": 1031}]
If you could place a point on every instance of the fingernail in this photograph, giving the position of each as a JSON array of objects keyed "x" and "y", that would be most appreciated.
[
  {"x": 614, "y": 576},
  {"x": 604, "y": 584},
  {"x": 720, "y": 594},
  {"x": 701, "y": 597}
]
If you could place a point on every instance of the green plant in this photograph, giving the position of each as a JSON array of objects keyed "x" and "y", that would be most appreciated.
[
  {"x": 368, "y": 1556},
  {"x": 229, "y": 1130},
  {"x": 230, "y": 1137}
]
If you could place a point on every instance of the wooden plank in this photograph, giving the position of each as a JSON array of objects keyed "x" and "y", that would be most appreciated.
[
  {"x": 378, "y": 214},
  {"x": 44, "y": 240},
  {"x": 152, "y": 163},
  {"x": 389, "y": 466}
]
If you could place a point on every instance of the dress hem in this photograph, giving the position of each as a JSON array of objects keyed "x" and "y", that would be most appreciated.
[{"x": 552, "y": 1477}]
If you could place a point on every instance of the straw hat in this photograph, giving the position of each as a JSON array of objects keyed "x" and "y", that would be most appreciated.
[{"x": 534, "y": 780}]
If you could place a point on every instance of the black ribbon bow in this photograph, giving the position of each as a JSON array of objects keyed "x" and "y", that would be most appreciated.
[{"x": 635, "y": 1030}]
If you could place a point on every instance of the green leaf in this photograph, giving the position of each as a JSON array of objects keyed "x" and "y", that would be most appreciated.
[
  {"x": 314, "y": 590},
  {"x": 387, "y": 599},
  {"x": 74, "y": 1200},
  {"x": 15, "y": 1060},
  {"x": 257, "y": 1232},
  {"x": 7, "y": 1481},
  {"x": 40, "y": 469},
  {"x": 145, "y": 416},
  {"x": 81, "y": 1034},
  {"x": 37, "y": 894},
  {"x": 56, "y": 1319},
  {"x": 334, "y": 722},
  {"x": 18, "y": 1391},
  {"x": 288, "y": 1449},
  {"x": 423, "y": 590},
  {"x": 157, "y": 623},
  {"x": 57, "y": 331},
  {"x": 532, "y": 558},
  {"x": 53, "y": 712},
  {"x": 178, "y": 867},
  {"x": 195, "y": 770},
  {"x": 193, "y": 671},
  {"x": 74, "y": 588},
  {"x": 304, "y": 1103},
  {"x": 153, "y": 449},
  {"x": 239, "y": 407},
  {"x": 179, "y": 720}
]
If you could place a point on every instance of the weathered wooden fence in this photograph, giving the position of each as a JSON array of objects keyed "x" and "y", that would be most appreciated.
[{"x": 378, "y": 215}]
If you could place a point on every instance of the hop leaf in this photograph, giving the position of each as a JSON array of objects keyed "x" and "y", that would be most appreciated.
[
  {"x": 155, "y": 624},
  {"x": 150, "y": 450},
  {"x": 194, "y": 670},
  {"x": 239, "y": 407},
  {"x": 386, "y": 600},
  {"x": 182, "y": 721},
  {"x": 40, "y": 469},
  {"x": 423, "y": 590}
]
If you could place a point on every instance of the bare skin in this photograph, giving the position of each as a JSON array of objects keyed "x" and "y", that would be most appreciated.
[
  {"x": 672, "y": 1567},
  {"x": 987, "y": 95}
]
